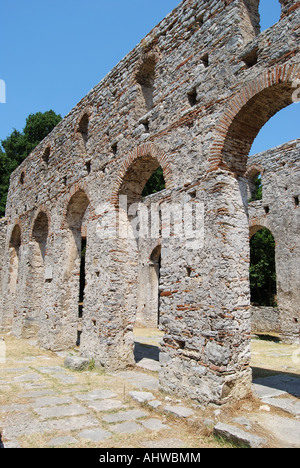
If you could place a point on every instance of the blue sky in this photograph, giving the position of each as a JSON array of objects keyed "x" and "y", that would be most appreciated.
[{"x": 54, "y": 51}]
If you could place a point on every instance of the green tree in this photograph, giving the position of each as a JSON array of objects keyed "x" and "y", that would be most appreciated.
[
  {"x": 263, "y": 269},
  {"x": 155, "y": 184},
  {"x": 18, "y": 145},
  {"x": 257, "y": 189},
  {"x": 4, "y": 180}
]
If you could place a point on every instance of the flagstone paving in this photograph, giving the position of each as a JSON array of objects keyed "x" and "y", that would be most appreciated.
[{"x": 45, "y": 404}]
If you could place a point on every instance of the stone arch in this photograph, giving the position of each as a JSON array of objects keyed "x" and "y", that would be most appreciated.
[
  {"x": 254, "y": 11},
  {"x": 74, "y": 274},
  {"x": 82, "y": 126},
  {"x": 76, "y": 210},
  {"x": 144, "y": 160},
  {"x": 134, "y": 173},
  {"x": 40, "y": 231},
  {"x": 77, "y": 191},
  {"x": 252, "y": 174},
  {"x": 14, "y": 248},
  {"x": 35, "y": 281},
  {"x": 145, "y": 79},
  {"x": 46, "y": 154},
  {"x": 249, "y": 110},
  {"x": 257, "y": 227},
  {"x": 14, "y": 258}
]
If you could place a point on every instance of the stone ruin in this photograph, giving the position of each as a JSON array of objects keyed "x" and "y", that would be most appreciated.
[{"x": 190, "y": 98}]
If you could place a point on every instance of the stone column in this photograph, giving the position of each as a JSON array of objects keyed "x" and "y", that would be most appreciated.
[
  {"x": 110, "y": 296},
  {"x": 205, "y": 303}
]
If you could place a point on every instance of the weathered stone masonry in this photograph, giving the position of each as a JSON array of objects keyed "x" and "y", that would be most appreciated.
[
  {"x": 278, "y": 211},
  {"x": 191, "y": 98}
]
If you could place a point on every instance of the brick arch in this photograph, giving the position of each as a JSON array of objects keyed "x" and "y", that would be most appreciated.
[
  {"x": 150, "y": 151},
  {"x": 254, "y": 169},
  {"x": 257, "y": 225},
  {"x": 250, "y": 109}
]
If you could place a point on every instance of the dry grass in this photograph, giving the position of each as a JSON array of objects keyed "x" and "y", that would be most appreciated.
[
  {"x": 18, "y": 354},
  {"x": 267, "y": 357}
]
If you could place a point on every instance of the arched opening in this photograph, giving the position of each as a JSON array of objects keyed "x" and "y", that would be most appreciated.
[
  {"x": 14, "y": 249},
  {"x": 156, "y": 183},
  {"x": 250, "y": 120},
  {"x": 263, "y": 13},
  {"x": 145, "y": 79},
  {"x": 147, "y": 333},
  {"x": 282, "y": 127},
  {"x": 40, "y": 233},
  {"x": 46, "y": 155},
  {"x": 144, "y": 177},
  {"x": 137, "y": 176},
  {"x": 252, "y": 108},
  {"x": 255, "y": 186},
  {"x": 75, "y": 276},
  {"x": 11, "y": 298},
  {"x": 83, "y": 128},
  {"x": 36, "y": 276},
  {"x": 263, "y": 286},
  {"x": 269, "y": 14}
]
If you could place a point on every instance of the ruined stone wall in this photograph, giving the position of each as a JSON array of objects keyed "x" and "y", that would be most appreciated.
[
  {"x": 191, "y": 97},
  {"x": 265, "y": 320},
  {"x": 3, "y": 228},
  {"x": 279, "y": 211}
]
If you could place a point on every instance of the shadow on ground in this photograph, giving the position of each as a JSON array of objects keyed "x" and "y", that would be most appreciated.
[
  {"x": 145, "y": 351},
  {"x": 284, "y": 381}
]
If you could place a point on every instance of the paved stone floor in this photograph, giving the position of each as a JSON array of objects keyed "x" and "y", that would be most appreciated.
[{"x": 43, "y": 404}]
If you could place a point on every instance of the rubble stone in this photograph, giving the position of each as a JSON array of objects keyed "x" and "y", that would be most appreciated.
[{"x": 190, "y": 98}]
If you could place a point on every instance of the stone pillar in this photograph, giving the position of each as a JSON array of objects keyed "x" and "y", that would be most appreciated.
[
  {"x": 110, "y": 297},
  {"x": 205, "y": 302}
]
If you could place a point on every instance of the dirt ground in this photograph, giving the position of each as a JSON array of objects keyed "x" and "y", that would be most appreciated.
[{"x": 30, "y": 370}]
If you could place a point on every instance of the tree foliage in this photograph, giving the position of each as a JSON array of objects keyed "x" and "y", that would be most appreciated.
[
  {"x": 263, "y": 269},
  {"x": 257, "y": 192},
  {"x": 258, "y": 188},
  {"x": 155, "y": 184},
  {"x": 18, "y": 145}
]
